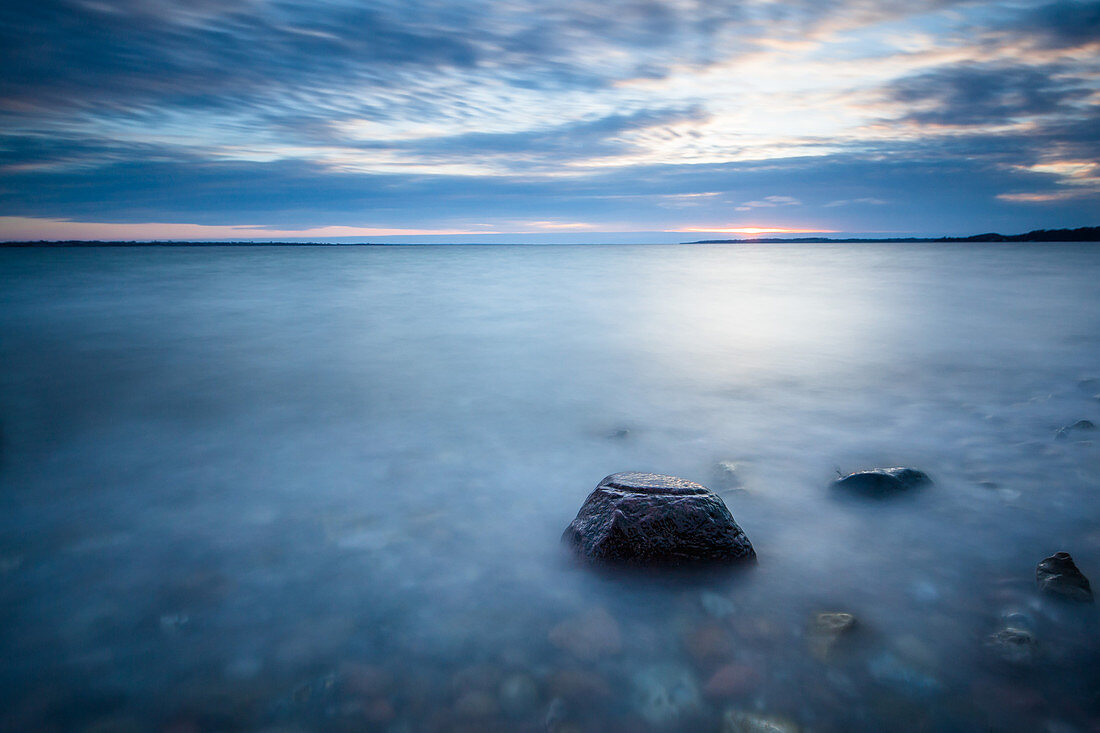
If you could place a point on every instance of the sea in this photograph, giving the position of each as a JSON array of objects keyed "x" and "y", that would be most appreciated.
[{"x": 293, "y": 488}]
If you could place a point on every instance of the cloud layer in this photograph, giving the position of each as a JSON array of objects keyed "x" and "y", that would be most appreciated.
[{"x": 521, "y": 115}]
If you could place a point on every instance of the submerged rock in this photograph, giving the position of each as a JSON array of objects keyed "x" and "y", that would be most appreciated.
[
  {"x": 648, "y": 518},
  {"x": 826, "y": 630},
  {"x": 880, "y": 482},
  {"x": 731, "y": 680},
  {"x": 1058, "y": 576},
  {"x": 590, "y": 635},
  {"x": 1015, "y": 646},
  {"x": 742, "y": 721},
  {"x": 665, "y": 693},
  {"x": 1081, "y": 426},
  {"x": 727, "y": 476}
]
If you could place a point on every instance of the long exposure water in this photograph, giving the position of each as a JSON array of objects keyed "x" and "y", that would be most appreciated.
[{"x": 323, "y": 488}]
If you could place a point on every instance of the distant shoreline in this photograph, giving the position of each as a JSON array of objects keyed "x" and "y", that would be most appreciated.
[{"x": 1082, "y": 234}]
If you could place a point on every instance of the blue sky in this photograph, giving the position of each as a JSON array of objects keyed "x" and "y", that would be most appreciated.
[{"x": 543, "y": 120}]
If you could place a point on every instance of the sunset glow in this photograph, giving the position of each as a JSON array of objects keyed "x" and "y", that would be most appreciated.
[{"x": 753, "y": 230}]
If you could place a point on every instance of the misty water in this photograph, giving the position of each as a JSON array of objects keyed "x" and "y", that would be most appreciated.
[{"x": 323, "y": 488}]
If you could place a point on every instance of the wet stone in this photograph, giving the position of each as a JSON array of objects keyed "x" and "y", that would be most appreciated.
[
  {"x": 653, "y": 519},
  {"x": 589, "y": 636},
  {"x": 1075, "y": 430},
  {"x": 882, "y": 482},
  {"x": 731, "y": 680},
  {"x": 1012, "y": 645},
  {"x": 742, "y": 721},
  {"x": 727, "y": 476},
  {"x": 716, "y": 605},
  {"x": 664, "y": 694},
  {"x": 826, "y": 631},
  {"x": 1058, "y": 576}
]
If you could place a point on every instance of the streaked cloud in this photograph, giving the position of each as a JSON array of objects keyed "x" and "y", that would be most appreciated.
[{"x": 431, "y": 115}]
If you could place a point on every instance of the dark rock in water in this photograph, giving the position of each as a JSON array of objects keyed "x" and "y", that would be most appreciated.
[
  {"x": 648, "y": 518},
  {"x": 1059, "y": 576},
  {"x": 880, "y": 482},
  {"x": 1081, "y": 426}
]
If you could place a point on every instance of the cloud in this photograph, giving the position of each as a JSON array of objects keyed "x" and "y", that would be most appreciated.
[
  {"x": 387, "y": 114},
  {"x": 971, "y": 94},
  {"x": 1062, "y": 24},
  {"x": 768, "y": 202},
  {"x": 870, "y": 200}
]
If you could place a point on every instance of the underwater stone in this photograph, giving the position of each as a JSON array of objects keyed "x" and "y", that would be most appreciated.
[
  {"x": 743, "y": 721},
  {"x": 652, "y": 519},
  {"x": 880, "y": 482},
  {"x": 1013, "y": 645},
  {"x": 1058, "y": 575},
  {"x": 1081, "y": 426}
]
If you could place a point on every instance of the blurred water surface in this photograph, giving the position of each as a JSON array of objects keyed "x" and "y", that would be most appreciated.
[{"x": 323, "y": 487}]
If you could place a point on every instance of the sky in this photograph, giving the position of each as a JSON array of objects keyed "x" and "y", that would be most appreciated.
[{"x": 545, "y": 120}]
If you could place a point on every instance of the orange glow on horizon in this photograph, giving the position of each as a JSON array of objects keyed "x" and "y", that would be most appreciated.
[{"x": 752, "y": 230}]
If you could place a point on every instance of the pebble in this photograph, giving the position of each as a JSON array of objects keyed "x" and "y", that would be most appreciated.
[
  {"x": 887, "y": 669},
  {"x": 579, "y": 687},
  {"x": 1012, "y": 645},
  {"x": 731, "y": 680},
  {"x": 727, "y": 476},
  {"x": 1081, "y": 426},
  {"x": 742, "y": 721},
  {"x": 717, "y": 606},
  {"x": 826, "y": 630},
  {"x": 665, "y": 693},
  {"x": 589, "y": 636},
  {"x": 708, "y": 643}
]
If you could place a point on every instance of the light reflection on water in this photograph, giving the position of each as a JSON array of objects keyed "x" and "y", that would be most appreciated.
[{"x": 323, "y": 487}]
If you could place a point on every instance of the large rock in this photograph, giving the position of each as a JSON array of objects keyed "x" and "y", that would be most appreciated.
[
  {"x": 648, "y": 518},
  {"x": 1058, "y": 575},
  {"x": 880, "y": 482}
]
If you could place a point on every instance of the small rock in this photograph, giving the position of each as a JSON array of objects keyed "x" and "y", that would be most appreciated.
[
  {"x": 826, "y": 630},
  {"x": 1058, "y": 576},
  {"x": 888, "y": 670},
  {"x": 1081, "y": 426},
  {"x": 708, "y": 643},
  {"x": 650, "y": 519},
  {"x": 589, "y": 636},
  {"x": 716, "y": 605},
  {"x": 1018, "y": 620},
  {"x": 664, "y": 694},
  {"x": 727, "y": 476},
  {"x": 1015, "y": 646},
  {"x": 475, "y": 704},
  {"x": 742, "y": 721},
  {"x": 519, "y": 695},
  {"x": 579, "y": 687},
  {"x": 731, "y": 680},
  {"x": 882, "y": 482}
]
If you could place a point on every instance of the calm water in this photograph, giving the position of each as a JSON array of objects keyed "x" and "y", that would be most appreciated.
[{"x": 323, "y": 488}]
